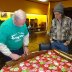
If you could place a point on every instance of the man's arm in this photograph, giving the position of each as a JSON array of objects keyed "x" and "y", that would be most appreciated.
[
  {"x": 3, "y": 39},
  {"x": 5, "y": 50},
  {"x": 26, "y": 42},
  {"x": 70, "y": 31},
  {"x": 52, "y": 31},
  {"x": 70, "y": 27}
]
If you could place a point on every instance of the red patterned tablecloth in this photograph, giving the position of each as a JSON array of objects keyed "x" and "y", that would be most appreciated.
[{"x": 48, "y": 62}]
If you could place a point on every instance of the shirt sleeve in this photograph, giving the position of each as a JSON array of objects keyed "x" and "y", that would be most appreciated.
[
  {"x": 52, "y": 28},
  {"x": 26, "y": 40},
  {"x": 4, "y": 49},
  {"x": 70, "y": 24}
]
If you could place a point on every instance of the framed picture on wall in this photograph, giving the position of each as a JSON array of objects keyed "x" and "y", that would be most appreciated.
[{"x": 3, "y": 14}]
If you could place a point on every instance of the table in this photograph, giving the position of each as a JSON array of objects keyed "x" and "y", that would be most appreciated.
[{"x": 41, "y": 61}]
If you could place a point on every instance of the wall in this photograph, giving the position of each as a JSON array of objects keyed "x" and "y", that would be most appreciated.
[
  {"x": 28, "y": 7},
  {"x": 41, "y": 18}
]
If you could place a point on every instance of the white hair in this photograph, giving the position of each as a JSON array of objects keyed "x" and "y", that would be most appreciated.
[{"x": 20, "y": 14}]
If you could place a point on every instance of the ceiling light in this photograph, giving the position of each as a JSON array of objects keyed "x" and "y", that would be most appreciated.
[{"x": 42, "y": 0}]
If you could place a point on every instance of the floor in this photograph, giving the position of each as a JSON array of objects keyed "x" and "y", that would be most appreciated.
[{"x": 36, "y": 39}]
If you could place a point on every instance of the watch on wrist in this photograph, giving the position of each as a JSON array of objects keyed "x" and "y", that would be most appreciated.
[{"x": 26, "y": 46}]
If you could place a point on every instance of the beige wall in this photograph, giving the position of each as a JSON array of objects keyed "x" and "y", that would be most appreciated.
[{"x": 28, "y": 7}]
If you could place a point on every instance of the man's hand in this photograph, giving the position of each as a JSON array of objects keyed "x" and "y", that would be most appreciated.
[
  {"x": 14, "y": 56},
  {"x": 66, "y": 43},
  {"x": 51, "y": 40},
  {"x": 26, "y": 50}
]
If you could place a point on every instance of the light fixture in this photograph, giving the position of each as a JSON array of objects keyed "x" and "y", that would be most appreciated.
[{"x": 42, "y": 0}]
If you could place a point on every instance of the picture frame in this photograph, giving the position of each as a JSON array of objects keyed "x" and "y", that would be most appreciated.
[{"x": 3, "y": 14}]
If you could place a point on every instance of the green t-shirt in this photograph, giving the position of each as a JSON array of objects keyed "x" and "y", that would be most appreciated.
[{"x": 12, "y": 35}]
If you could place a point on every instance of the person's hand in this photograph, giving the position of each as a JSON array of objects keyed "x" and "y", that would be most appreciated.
[
  {"x": 26, "y": 50},
  {"x": 14, "y": 56},
  {"x": 51, "y": 40},
  {"x": 66, "y": 43}
]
